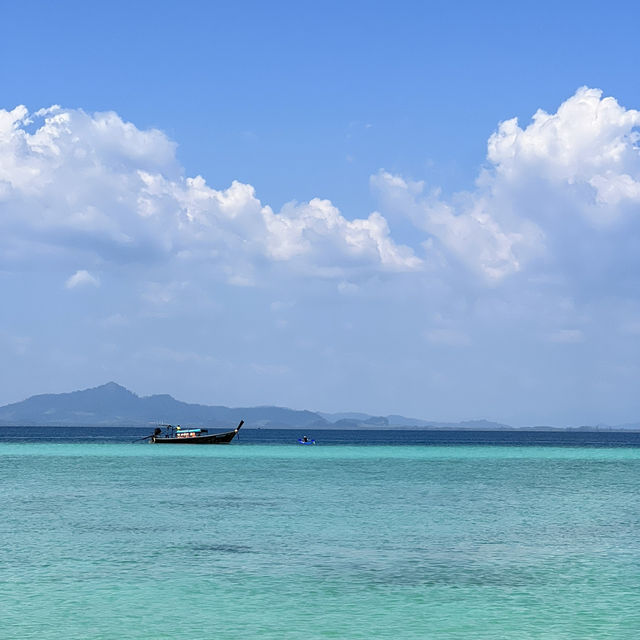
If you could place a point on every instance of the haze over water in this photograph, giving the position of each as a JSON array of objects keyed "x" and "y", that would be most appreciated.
[{"x": 111, "y": 540}]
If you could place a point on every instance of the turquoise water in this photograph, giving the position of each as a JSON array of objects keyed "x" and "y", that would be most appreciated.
[{"x": 121, "y": 541}]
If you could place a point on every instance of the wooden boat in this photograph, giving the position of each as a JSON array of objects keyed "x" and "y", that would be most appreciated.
[{"x": 178, "y": 435}]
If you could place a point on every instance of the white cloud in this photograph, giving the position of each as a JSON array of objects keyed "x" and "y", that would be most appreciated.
[
  {"x": 94, "y": 185},
  {"x": 96, "y": 188},
  {"x": 318, "y": 232},
  {"x": 552, "y": 218},
  {"x": 559, "y": 198},
  {"x": 466, "y": 229},
  {"x": 82, "y": 278},
  {"x": 588, "y": 136}
]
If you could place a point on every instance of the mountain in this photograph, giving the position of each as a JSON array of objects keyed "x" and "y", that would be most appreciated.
[{"x": 112, "y": 404}]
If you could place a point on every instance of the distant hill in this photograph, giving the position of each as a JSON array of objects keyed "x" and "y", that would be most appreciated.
[
  {"x": 112, "y": 405},
  {"x": 363, "y": 421}
]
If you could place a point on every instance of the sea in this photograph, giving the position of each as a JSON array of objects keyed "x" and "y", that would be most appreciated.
[{"x": 368, "y": 534}]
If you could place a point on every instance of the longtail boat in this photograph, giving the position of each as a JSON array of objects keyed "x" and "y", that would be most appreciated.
[{"x": 178, "y": 435}]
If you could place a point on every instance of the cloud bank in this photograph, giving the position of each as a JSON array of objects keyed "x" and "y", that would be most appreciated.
[
  {"x": 97, "y": 189},
  {"x": 526, "y": 284},
  {"x": 553, "y": 194}
]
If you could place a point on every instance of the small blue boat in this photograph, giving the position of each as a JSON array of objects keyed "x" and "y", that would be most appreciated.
[{"x": 305, "y": 440}]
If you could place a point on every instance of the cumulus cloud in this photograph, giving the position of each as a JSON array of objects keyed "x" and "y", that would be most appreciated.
[
  {"x": 319, "y": 231},
  {"x": 560, "y": 194},
  {"x": 587, "y": 148},
  {"x": 94, "y": 185},
  {"x": 466, "y": 229},
  {"x": 555, "y": 208}
]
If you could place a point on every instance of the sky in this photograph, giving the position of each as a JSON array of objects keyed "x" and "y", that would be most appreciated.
[{"x": 420, "y": 208}]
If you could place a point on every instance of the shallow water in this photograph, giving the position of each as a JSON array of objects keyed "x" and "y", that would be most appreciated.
[{"x": 109, "y": 541}]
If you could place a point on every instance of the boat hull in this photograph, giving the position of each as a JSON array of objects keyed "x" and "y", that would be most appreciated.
[
  {"x": 218, "y": 438},
  {"x": 214, "y": 438}
]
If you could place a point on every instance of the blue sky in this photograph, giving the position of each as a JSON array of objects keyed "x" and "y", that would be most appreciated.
[{"x": 325, "y": 206}]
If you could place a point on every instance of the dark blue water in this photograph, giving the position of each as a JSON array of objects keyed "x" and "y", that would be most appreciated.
[{"x": 335, "y": 437}]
